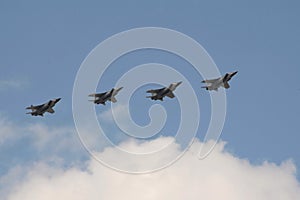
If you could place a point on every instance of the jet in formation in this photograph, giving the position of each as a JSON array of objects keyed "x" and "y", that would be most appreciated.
[
  {"x": 215, "y": 84},
  {"x": 156, "y": 94},
  {"x": 101, "y": 98},
  {"x": 41, "y": 109},
  {"x": 159, "y": 94}
]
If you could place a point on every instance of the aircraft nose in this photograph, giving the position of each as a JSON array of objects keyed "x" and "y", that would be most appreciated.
[{"x": 58, "y": 99}]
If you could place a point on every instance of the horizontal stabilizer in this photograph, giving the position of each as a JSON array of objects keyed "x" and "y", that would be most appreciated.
[
  {"x": 113, "y": 99},
  {"x": 226, "y": 85},
  {"x": 50, "y": 110},
  {"x": 170, "y": 94}
]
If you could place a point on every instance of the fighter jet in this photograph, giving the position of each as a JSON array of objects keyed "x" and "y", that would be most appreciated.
[
  {"x": 214, "y": 84},
  {"x": 41, "y": 109},
  {"x": 159, "y": 94},
  {"x": 101, "y": 98}
]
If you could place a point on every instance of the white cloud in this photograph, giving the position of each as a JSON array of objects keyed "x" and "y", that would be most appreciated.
[
  {"x": 8, "y": 84},
  {"x": 119, "y": 110},
  {"x": 44, "y": 137},
  {"x": 46, "y": 142},
  {"x": 41, "y": 136},
  {"x": 220, "y": 176},
  {"x": 7, "y": 131}
]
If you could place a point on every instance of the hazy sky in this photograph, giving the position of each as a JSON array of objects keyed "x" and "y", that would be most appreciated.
[{"x": 43, "y": 44}]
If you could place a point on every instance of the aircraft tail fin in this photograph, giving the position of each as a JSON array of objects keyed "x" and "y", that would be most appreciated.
[{"x": 226, "y": 77}]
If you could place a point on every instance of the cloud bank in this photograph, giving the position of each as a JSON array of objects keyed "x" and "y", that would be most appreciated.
[
  {"x": 11, "y": 84},
  {"x": 220, "y": 176}
]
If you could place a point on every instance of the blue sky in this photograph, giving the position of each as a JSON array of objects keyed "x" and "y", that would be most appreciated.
[{"x": 43, "y": 44}]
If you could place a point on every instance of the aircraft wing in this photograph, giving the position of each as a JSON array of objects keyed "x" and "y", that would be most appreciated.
[
  {"x": 155, "y": 91},
  {"x": 97, "y": 94},
  {"x": 35, "y": 107},
  {"x": 210, "y": 80},
  {"x": 170, "y": 94}
]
